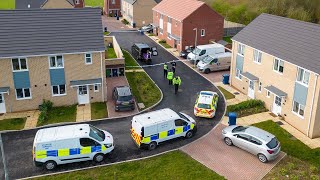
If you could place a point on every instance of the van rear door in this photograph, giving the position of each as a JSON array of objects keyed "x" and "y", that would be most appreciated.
[{"x": 136, "y": 132}]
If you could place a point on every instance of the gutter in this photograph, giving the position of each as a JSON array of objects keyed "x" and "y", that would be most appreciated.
[{"x": 312, "y": 103}]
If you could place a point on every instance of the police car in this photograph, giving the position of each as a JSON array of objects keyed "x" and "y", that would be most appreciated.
[{"x": 206, "y": 104}]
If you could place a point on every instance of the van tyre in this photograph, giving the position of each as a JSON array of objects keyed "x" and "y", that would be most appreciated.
[
  {"x": 98, "y": 158},
  {"x": 262, "y": 158},
  {"x": 206, "y": 71},
  {"x": 189, "y": 134},
  {"x": 152, "y": 145},
  {"x": 228, "y": 141},
  {"x": 50, "y": 165}
]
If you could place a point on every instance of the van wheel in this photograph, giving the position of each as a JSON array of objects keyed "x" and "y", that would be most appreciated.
[
  {"x": 262, "y": 158},
  {"x": 207, "y": 71},
  {"x": 50, "y": 165},
  {"x": 152, "y": 145},
  {"x": 189, "y": 134},
  {"x": 98, "y": 158}
]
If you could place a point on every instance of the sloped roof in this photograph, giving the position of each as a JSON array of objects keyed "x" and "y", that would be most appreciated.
[
  {"x": 133, "y": 1},
  {"x": 34, "y": 4},
  {"x": 294, "y": 41},
  {"x": 178, "y": 9},
  {"x": 50, "y": 31}
]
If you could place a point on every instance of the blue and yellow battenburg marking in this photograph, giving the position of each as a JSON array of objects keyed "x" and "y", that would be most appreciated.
[
  {"x": 139, "y": 139},
  {"x": 69, "y": 152}
]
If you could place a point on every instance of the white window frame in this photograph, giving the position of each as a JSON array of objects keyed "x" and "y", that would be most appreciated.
[
  {"x": 56, "y": 67},
  {"x": 256, "y": 55},
  {"x": 85, "y": 58},
  {"x": 268, "y": 94},
  {"x": 260, "y": 87},
  {"x": 65, "y": 92},
  {"x": 241, "y": 49},
  {"x": 203, "y": 32},
  {"x": 94, "y": 88},
  {"x": 278, "y": 67},
  {"x": 304, "y": 71},
  {"x": 299, "y": 108},
  {"x": 238, "y": 76},
  {"x": 24, "y": 98},
  {"x": 19, "y": 61},
  {"x": 113, "y": 2}
]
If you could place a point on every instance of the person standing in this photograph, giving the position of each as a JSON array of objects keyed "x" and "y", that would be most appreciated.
[
  {"x": 176, "y": 83},
  {"x": 174, "y": 64},
  {"x": 165, "y": 70},
  {"x": 170, "y": 77}
]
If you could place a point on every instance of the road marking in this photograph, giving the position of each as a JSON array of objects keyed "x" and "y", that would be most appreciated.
[{"x": 6, "y": 176}]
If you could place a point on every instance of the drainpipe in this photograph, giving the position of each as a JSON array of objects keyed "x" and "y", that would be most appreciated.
[
  {"x": 102, "y": 79},
  {"x": 312, "y": 101}
]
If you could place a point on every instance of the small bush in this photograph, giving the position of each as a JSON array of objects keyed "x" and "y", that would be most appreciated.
[
  {"x": 246, "y": 108},
  {"x": 162, "y": 41},
  {"x": 314, "y": 169},
  {"x": 45, "y": 107},
  {"x": 42, "y": 116}
]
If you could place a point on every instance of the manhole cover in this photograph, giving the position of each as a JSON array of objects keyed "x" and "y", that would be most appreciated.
[
  {"x": 236, "y": 93},
  {"x": 279, "y": 123}
]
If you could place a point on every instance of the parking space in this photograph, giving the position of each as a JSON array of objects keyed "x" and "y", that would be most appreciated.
[
  {"x": 113, "y": 24},
  {"x": 229, "y": 161}
]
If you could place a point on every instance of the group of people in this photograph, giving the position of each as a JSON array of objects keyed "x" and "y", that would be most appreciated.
[{"x": 169, "y": 73}]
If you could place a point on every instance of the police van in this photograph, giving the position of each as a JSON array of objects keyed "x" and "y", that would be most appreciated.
[
  {"x": 68, "y": 144},
  {"x": 150, "y": 129}
]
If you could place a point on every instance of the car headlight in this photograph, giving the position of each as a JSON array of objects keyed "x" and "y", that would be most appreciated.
[
  {"x": 224, "y": 132},
  {"x": 108, "y": 145}
]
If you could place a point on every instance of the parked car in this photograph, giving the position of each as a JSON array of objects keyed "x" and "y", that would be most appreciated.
[
  {"x": 123, "y": 98},
  {"x": 185, "y": 52},
  {"x": 215, "y": 62},
  {"x": 143, "y": 52},
  {"x": 206, "y": 104},
  {"x": 148, "y": 28},
  {"x": 254, "y": 140}
]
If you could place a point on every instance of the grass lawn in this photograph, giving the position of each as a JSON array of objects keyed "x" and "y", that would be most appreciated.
[
  {"x": 227, "y": 39},
  {"x": 130, "y": 61},
  {"x": 99, "y": 110},
  {"x": 165, "y": 45},
  {"x": 60, "y": 114},
  {"x": 7, "y": 4},
  {"x": 12, "y": 124},
  {"x": 106, "y": 33},
  {"x": 291, "y": 145},
  {"x": 110, "y": 53},
  {"x": 247, "y": 108},
  {"x": 226, "y": 93},
  {"x": 94, "y": 3},
  {"x": 172, "y": 165},
  {"x": 143, "y": 88}
]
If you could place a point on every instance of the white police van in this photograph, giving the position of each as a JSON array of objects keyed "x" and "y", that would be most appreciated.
[
  {"x": 71, "y": 143},
  {"x": 149, "y": 129}
]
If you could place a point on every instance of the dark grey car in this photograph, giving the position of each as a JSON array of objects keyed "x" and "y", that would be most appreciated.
[{"x": 123, "y": 98}]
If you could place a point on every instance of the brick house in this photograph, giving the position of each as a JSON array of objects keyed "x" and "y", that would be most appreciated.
[
  {"x": 112, "y": 7},
  {"x": 178, "y": 21},
  {"x": 46, "y": 4},
  {"x": 276, "y": 59},
  {"x": 65, "y": 65}
]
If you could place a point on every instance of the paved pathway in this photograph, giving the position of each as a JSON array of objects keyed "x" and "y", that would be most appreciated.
[
  {"x": 114, "y": 25},
  {"x": 32, "y": 120},
  {"x": 83, "y": 113}
]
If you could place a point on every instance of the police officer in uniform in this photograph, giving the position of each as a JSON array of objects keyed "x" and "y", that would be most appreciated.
[
  {"x": 165, "y": 70},
  {"x": 174, "y": 64},
  {"x": 176, "y": 83},
  {"x": 170, "y": 76}
]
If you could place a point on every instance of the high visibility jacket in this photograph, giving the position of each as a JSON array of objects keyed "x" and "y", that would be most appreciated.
[
  {"x": 170, "y": 75},
  {"x": 176, "y": 80},
  {"x": 165, "y": 67}
]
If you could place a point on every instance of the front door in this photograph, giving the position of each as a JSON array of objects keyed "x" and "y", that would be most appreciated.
[
  {"x": 175, "y": 44},
  {"x": 276, "y": 108},
  {"x": 2, "y": 104},
  {"x": 251, "y": 89},
  {"x": 83, "y": 95}
]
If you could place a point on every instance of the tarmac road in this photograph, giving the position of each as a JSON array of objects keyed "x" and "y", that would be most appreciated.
[{"x": 18, "y": 145}]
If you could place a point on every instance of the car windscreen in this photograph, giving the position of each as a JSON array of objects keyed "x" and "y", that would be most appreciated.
[
  {"x": 207, "y": 59},
  {"x": 96, "y": 134},
  {"x": 204, "y": 106},
  {"x": 196, "y": 51},
  {"x": 239, "y": 129},
  {"x": 125, "y": 98},
  {"x": 273, "y": 143},
  {"x": 183, "y": 117}
]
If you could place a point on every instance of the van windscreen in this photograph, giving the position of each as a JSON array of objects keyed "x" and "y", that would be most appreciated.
[
  {"x": 196, "y": 51},
  {"x": 96, "y": 133}
]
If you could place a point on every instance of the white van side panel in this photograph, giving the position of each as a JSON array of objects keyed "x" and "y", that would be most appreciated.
[{"x": 165, "y": 126}]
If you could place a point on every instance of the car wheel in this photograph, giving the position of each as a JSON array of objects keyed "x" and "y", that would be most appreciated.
[
  {"x": 228, "y": 141},
  {"x": 152, "y": 145},
  {"x": 98, "y": 158},
  {"x": 189, "y": 134},
  {"x": 262, "y": 158},
  {"x": 50, "y": 165},
  {"x": 207, "y": 71}
]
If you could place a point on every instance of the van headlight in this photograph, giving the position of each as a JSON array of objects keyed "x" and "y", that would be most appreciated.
[{"x": 108, "y": 145}]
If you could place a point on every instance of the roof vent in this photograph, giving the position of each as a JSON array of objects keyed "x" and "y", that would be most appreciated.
[
  {"x": 80, "y": 129},
  {"x": 148, "y": 117},
  {"x": 28, "y": 5}
]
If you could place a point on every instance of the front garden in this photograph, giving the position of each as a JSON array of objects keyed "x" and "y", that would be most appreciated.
[
  {"x": 99, "y": 110},
  {"x": 12, "y": 124},
  {"x": 247, "y": 108}
]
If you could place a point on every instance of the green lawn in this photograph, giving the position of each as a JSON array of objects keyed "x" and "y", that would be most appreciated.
[
  {"x": 7, "y": 4},
  {"x": 94, "y": 3},
  {"x": 226, "y": 93},
  {"x": 110, "y": 53},
  {"x": 227, "y": 39},
  {"x": 172, "y": 165},
  {"x": 247, "y": 108},
  {"x": 143, "y": 88},
  {"x": 12, "y": 124},
  {"x": 291, "y": 145},
  {"x": 60, "y": 114},
  {"x": 165, "y": 45},
  {"x": 129, "y": 61},
  {"x": 99, "y": 110},
  {"x": 106, "y": 33}
]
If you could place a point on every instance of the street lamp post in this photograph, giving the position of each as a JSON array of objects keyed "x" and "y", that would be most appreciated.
[{"x": 195, "y": 43}]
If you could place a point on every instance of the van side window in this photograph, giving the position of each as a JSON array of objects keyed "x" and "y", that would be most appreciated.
[
  {"x": 85, "y": 142},
  {"x": 180, "y": 122},
  {"x": 214, "y": 61},
  {"x": 202, "y": 52}
]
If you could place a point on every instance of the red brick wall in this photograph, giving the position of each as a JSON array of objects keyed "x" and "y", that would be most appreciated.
[
  {"x": 114, "y": 8},
  {"x": 80, "y": 5}
]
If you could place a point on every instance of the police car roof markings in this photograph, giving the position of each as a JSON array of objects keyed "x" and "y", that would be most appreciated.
[
  {"x": 162, "y": 115},
  {"x": 206, "y": 97}
]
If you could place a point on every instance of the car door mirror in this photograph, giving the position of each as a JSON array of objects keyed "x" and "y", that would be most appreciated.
[
  {"x": 236, "y": 135},
  {"x": 155, "y": 53}
]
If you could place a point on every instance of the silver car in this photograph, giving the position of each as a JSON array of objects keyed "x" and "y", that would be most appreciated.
[{"x": 254, "y": 140}]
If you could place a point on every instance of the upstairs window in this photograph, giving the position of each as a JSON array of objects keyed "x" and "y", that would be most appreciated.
[
  {"x": 241, "y": 49},
  {"x": 303, "y": 76},
  {"x": 88, "y": 58},
  {"x": 169, "y": 20},
  {"x": 278, "y": 65},
  {"x": 257, "y": 56},
  {"x": 19, "y": 64},
  {"x": 56, "y": 62},
  {"x": 113, "y": 1}
]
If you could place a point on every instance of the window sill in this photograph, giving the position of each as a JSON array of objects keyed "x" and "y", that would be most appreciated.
[
  {"x": 88, "y": 63},
  {"x": 56, "y": 67},
  {"x": 20, "y": 70},
  {"x": 58, "y": 95},
  {"x": 259, "y": 63},
  {"x": 242, "y": 55},
  {"x": 277, "y": 72},
  {"x": 20, "y": 99},
  {"x": 95, "y": 91},
  {"x": 303, "y": 84},
  {"x": 297, "y": 115},
  {"x": 238, "y": 78}
]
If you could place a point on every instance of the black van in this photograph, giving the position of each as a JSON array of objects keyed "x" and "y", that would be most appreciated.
[{"x": 143, "y": 52}]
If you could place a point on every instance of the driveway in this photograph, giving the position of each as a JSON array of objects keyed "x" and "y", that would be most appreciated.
[
  {"x": 18, "y": 145},
  {"x": 229, "y": 161},
  {"x": 114, "y": 25}
]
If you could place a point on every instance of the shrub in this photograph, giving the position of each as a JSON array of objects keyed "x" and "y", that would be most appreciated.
[
  {"x": 246, "y": 108},
  {"x": 124, "y": 21},
  {"x": 43, "y": 116},
  {"x": 45, "y": 107},
  {"x": 162, "y": 41}
]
